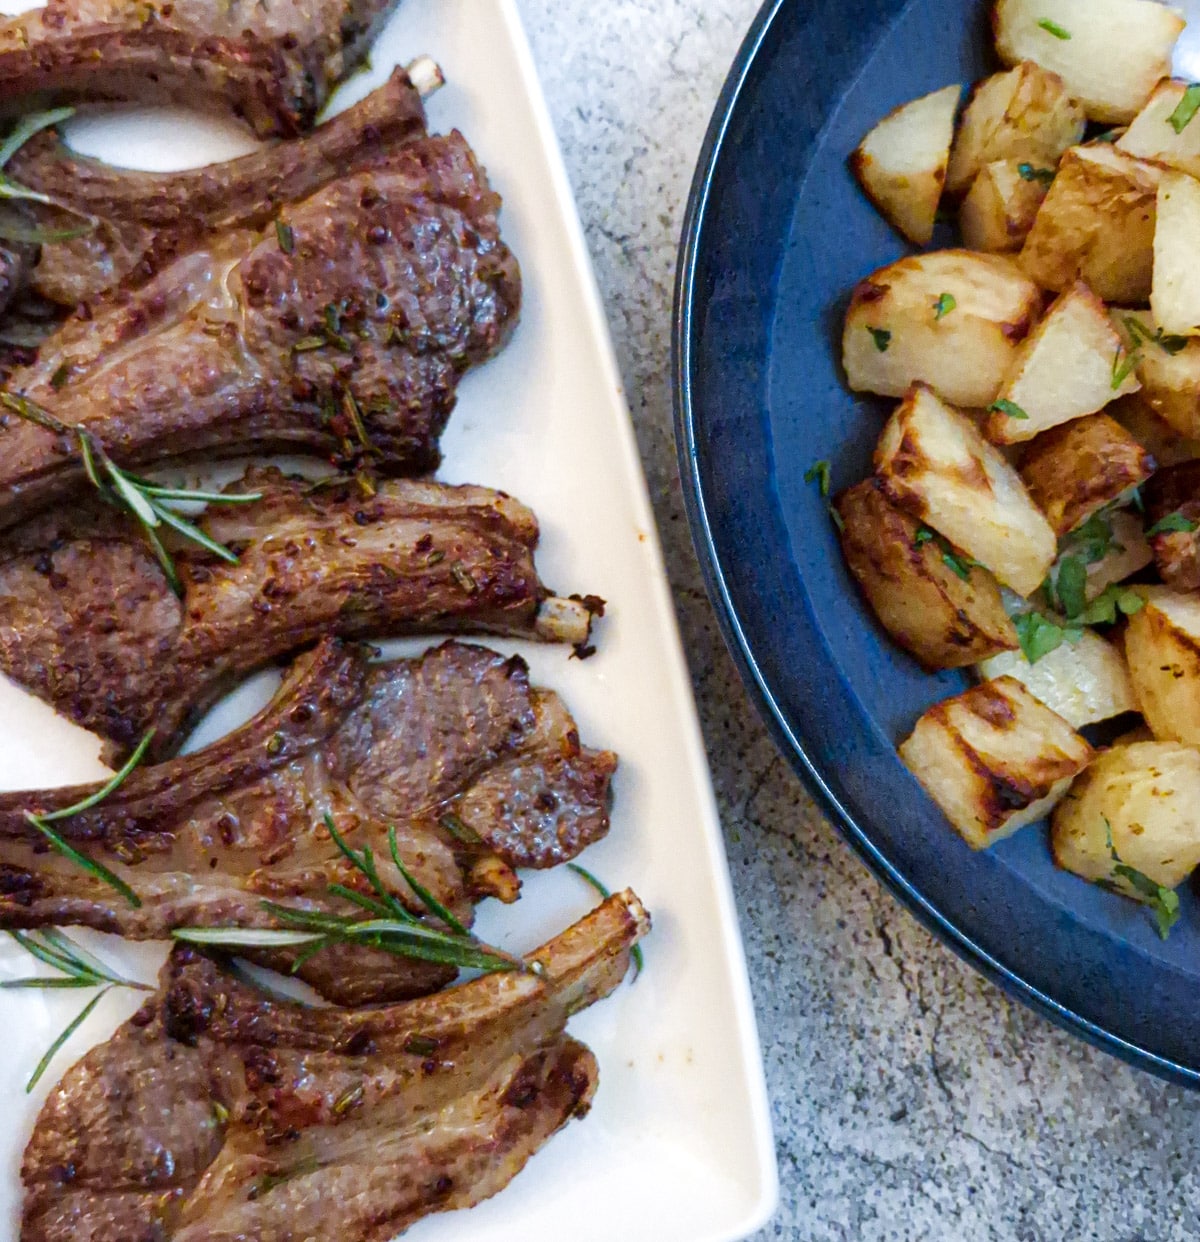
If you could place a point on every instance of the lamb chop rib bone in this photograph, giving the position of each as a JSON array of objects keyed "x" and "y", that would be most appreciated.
[
  {"x": 478, "y": 772},
  {"x": 330, "y": 1124},
  {"x": 314, "y": 559}
]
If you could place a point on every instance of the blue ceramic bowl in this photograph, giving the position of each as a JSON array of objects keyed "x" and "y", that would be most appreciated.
[{"x": 777, "y": 234}]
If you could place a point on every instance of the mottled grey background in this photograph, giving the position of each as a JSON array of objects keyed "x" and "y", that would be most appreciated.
[{"x": 911, "y": 1099}]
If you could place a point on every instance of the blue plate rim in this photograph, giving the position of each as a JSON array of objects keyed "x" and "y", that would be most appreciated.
[{"x": 720, "y": 595}]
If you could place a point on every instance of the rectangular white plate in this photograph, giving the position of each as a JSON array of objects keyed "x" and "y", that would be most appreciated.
[{"x": 678, "y": 1146}]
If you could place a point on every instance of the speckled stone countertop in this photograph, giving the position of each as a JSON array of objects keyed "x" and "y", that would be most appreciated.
[{"x": 911, "y": 1099}]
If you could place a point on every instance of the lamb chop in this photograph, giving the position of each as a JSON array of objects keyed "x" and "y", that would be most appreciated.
[
  {"x": 90, "y": 622},
  {"x": 217, "y": 1114},
  {"x": 143, "y": 220},
  {"x": 477, "y": 772},
  {"x": 271, "y": 63},
  {"x": 341, "y": 329}
]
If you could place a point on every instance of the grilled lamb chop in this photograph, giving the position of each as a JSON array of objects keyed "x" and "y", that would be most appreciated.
[
  {"x": 477, "y": 771},
  {"x": 143, "y": 220},
  {"x": 343, "y": 331},
  {"x": 273, "y": 62},
  {"x": 416, "y": 557},
  {"x": 216, "y": 1114}
]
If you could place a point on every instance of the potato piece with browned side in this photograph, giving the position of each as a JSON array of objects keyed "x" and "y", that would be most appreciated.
[
  {"x": 901, "y": 163},
  {"x": 1096, "y": 225},
  {"x": 1002, "y": 204},
  {"x": 1138, "y": 801},
  {"x": 994, "y": 759},
  {"x": 936, "y": 465},
  {"x": 1168, "y": 367},
  {"x": 1157, "y": 134},
  {"x": 1073, "y": 365},
  {"x": 1021, "y": 115},
  {"x": 1109, "y": 53},
  {"x": 1172, "y": 500},
  {"x": 1074, "y": 470},
  {"x": 1159, "y": 437},
  {"x": 920, "y": 594},
  {"x": 1128, "y": 553},
  {"x": 1084, "y": 681},
  {"x": 1162, "y": 646},
  {"x": 1175, "y": 294},
  {"x": 951, "y": 319}
]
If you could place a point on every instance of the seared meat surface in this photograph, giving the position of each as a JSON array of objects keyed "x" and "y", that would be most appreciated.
[
  {"x": 344, "y": 331},
  {"x": 477, "y": 771},
  {"x": 144, "y": 220},
  {"x": 272, "y": 62},
  {"x": 89, "y": 622},
  {"x": 217, "y": 1114}
]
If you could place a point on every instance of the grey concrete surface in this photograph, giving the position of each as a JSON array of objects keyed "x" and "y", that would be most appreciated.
[{"x": 911, "y": 1099}]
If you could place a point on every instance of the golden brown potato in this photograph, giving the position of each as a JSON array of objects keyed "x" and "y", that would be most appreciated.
[
  {"x": 1162, "y": 646},
  {"x": 1084, "y": 681},
  {"x": 1128, "y": 553},
  {"x": 1173, "y": 509},
  {"x": 1169, "y": 370},
  {"x": 1140, "y": 413},
  {"x": 1152, "y": 136},
  {"x": 1002, "y": 204},
  {"x": 1022, "y": 115},
  {"x": 936, "y": 465},
  {"x": 1109, "y": 53},
  {"x": 994, "y": 759},
  {"x": 901, "y": 163},
  {"x": 951, "y": 319},
  {"x": 1096, "y": 225},
  {"x": 1074, "y": 470},
  {"x": 1072, "y": 365},
  {"x": 1175, "y": 293},
  {"x": 1139, "y": 801},
  {"x": 918, "y": 592}
]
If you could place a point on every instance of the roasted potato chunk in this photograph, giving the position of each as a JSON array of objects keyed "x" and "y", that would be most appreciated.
[
  {"x": 994, "y": 759},
  {"x": 920, "y": 594},
  {"x": 901, "y": 163},
  {"x": 1162, "y": 646},
  {"x": 1173, "y": 507},
  {"x": 950, "y": 319},
  {"x": 1070, "y": 367},
  {"x": 1140, "y": 417},
  {"x": 1084, "y": 682},
  {"x": 1139, "y": 801},
  {"x": 1153, "y": 138},
  {"x": 1175, "y": 294},
  {"x": 1074, "y": 470},
  {"x": 1096, "y": 225},
  {"x": 1109, "y": 53},
  {"x": 1002, "y": 204},
  {"x": 1022, "y": 115},
  {"x": 936, "y": 466},
  {"x": 1128, "y": 553}
]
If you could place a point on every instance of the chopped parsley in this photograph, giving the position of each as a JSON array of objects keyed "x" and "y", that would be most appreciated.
[
  {"x": 285, "y": 237},
  {"x": 923, "y": 536},
  {"x": 818, "y": 473},
  {"x": 955, "y": 561},
  {"x": 1162, "y": 900},
  {"x": 1011, "y": 408},
  {"x": 1172, "y": 524},
  {"x": 1029, "y": 173},
  {"x": 1039, "y": 636},
  {"x": 1070, "y": 585},
  {"x": 1104, "y": 608},
  {"x": 1140, "y": 334},
  {"x": 1186, "y": 109},
  {"x": 882, "y": 338},
  {"x": 1054, "y": 28},
  {"x": 1123, "y": 366},
  {"x": 944, "y": 305}
]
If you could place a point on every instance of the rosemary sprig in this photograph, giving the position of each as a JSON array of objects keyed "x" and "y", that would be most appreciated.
[
  {"x": 147, "y": 502},
  {"x": 639, "y": 958},
  {"x": 17, "y": 137},
  {"x": 79, "y": 969}
]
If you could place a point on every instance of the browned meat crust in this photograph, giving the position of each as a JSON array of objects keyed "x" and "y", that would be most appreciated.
[
  {"x": 147, "y": 219},
  {"x": 349, "y": 340},
  {"x": 217, "y": 1114},
  {"x": 89, "y": 623},
  {"x": 271, "y": 63},
  {"x": 478, "y": 772}
]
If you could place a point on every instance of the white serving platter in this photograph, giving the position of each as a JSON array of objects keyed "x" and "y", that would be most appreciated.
[{"x": 678, "y": 1145}]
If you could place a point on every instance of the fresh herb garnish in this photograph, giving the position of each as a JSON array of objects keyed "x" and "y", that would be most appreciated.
[
  {"x": 78, "y": 969},
  {"x": 1111, "y": 602},
  {"x": 953, "y": 560},
  {"x": 1029, "y": 173},
  {"x": 1039, "y": 635},
  {"x": 1070, "y": 585},
  {"x": 17, "y": 230},
  {"x": 882, "y": 338},
  {"x": 944, "y": 305},
  {"x": 147, "y": 502},
  {"x": 923, "y": 536},
  {"x": 1054, "y": 28},
  {"x": 1162, "y": 900},
  {"x": 1124, "y": 364},
  {"x": 1140, "y": 334},
  {"x": 819, "y": 473},
  {"x": 285, "y": 236},
  {"x": 1186, "y": 109},
  {"x": 1011, "y": 408},
  {"x": 638, "y": 957},
  {"x": 1172, "y": 524}
]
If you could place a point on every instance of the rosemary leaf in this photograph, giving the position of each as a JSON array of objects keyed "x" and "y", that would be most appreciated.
[
  {"x": 638, "y": 957},
  {"x": 428, "y": 900},
  {"x": 193, "y": 532},
  {"x": 137, "y": 504},
  {"x": 80, "y": 1018},
  {"x": 360, "y": 899},
  {"x": 109, "y": 787},
  {"x": 182, "y": 493},
  {"x": 244, "y": 937},
  {"x": 90, "y": 865},
  {"x": 29, "y": 125}
]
